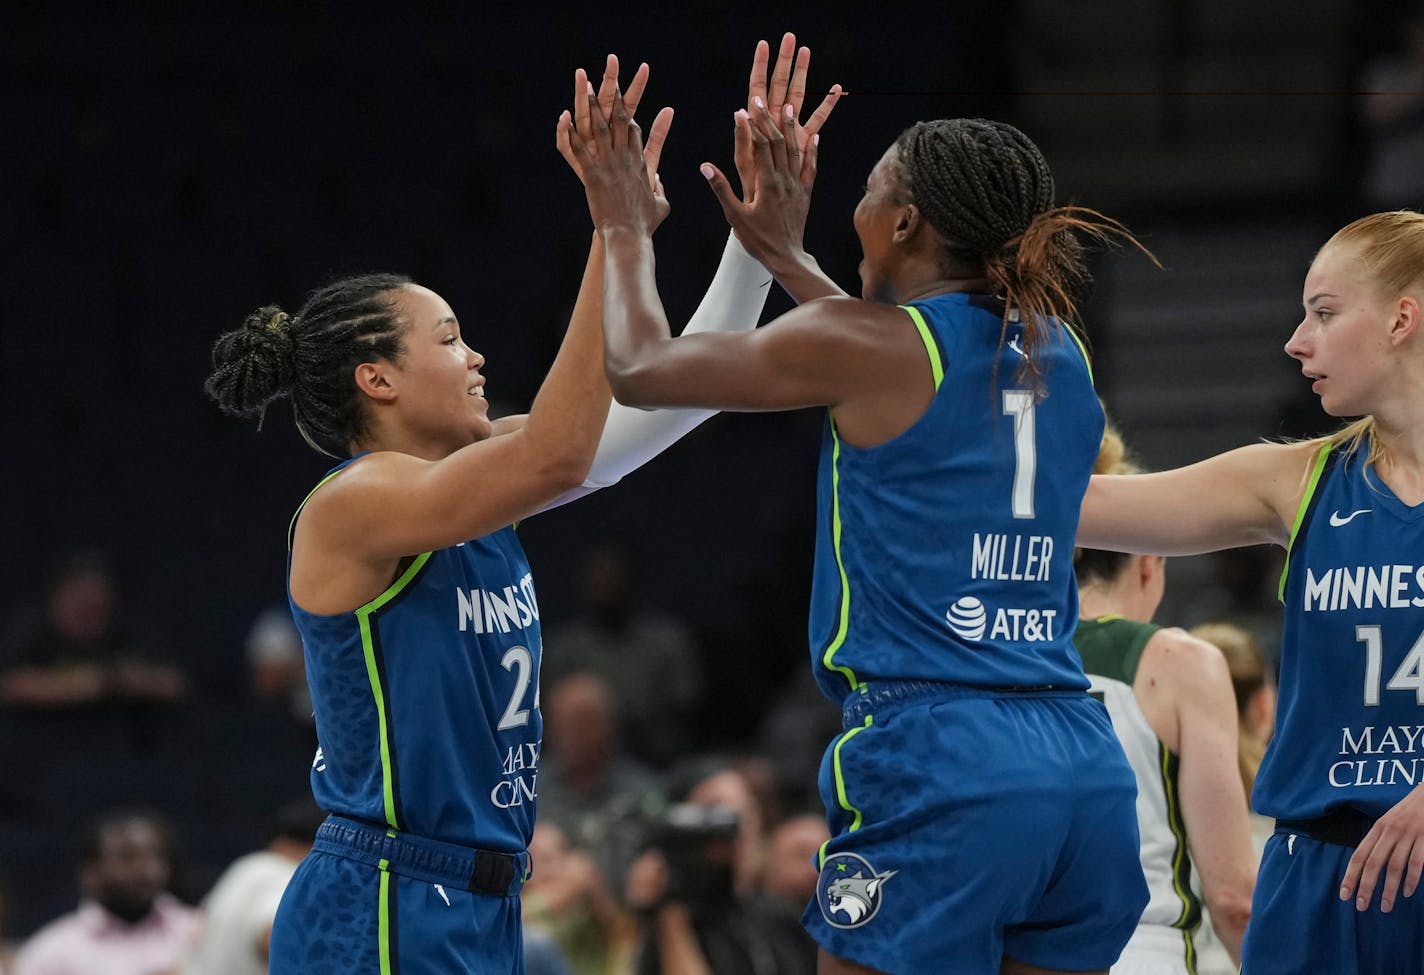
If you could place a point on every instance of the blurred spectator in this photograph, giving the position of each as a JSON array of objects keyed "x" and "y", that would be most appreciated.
[
  {"x": 236, "y": 928},
  {"x": 790, "y": 873},
  {"x": 646, "y": 656},
  {"x": 794, "y": 732},
  {"x": 697, "y": 890},
  {"x": 1392, "y": 104},
  {"x": 127, "y": 922},
  {"x": 277, "y": 667},
  {"x": 586, "y": 783},
  {"x": 542, "y": 955},
  {"x": 7, "y": 952},
  {"x": 77, "y": 650},
  {"x": 569, "y": 897}
]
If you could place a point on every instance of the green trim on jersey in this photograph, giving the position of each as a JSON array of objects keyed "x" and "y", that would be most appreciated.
[
  {"x": 1320, "y": 457},
  {"x": 383, "y": 918},
  {"x": 842, "y": 797},
  {"x": 1078, "y": 341},
  {"x": 931, "y": 346},
  {"x": 292, "y": 525},
  {"x": 364, "y": 616},
  {"x": 1190, "y": 918},
  {"x": 828, "y": 658}
]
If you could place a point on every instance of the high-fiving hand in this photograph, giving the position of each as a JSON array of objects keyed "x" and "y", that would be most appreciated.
[
  {"x": 594, "y": 114},
  {"x": 787, "y": 87},
  {"x": 775, "y": 155}
]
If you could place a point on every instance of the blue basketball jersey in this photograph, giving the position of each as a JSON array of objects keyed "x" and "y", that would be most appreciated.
[
  {"x": 1350, "y": 716},
  {"x": 426, "y": 698},
  {"x": 946, "y": 553}
]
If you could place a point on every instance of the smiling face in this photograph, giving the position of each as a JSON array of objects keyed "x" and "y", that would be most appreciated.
[
  {"x": 437, "y": 382},
  {"x": 1343, "y": 342}
]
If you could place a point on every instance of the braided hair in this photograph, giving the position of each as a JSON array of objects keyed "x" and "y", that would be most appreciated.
[
  {"x": 312, "y": 357},
  {"x": 988, "y": 191}
]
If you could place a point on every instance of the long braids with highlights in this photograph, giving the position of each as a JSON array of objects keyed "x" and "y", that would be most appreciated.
[
  {"x": 312, "y": 357},
  {"x": 988, "y": 191}
]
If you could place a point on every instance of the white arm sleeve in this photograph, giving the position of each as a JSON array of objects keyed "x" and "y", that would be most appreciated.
[{"x": 632, "y": 437}]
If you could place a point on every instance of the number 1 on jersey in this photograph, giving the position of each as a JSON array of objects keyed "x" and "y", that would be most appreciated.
[{"x": 1019, "y": 404}]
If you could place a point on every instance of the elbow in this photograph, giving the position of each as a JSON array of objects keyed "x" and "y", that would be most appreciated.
[
  {"x": 629, "y": 380},
  {"x": 566, "y": 472},
  {"x": 564, "y": 464},
  {"x": 1230, "y": 912}
]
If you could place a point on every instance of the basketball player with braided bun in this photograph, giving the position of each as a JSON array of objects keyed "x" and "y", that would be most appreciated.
[
  {"x": 415, "y": 601},
  {"x": 1343, "y": 776},
  {"x": 1172, "y": 704},
  {"x": 981, "y": 809}
]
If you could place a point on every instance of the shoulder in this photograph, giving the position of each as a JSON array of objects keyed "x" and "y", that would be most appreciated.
[
  {"x": 372, "y": 479},
  {"x": 53, "y": 942},
  {"x": 840, "y": 317},
  {"x": 1184, "y": 663}
]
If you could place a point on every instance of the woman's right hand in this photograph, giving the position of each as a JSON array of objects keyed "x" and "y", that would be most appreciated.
[
  {"x": 775, "y": 156},
  {"x": 581, "y": 119}
]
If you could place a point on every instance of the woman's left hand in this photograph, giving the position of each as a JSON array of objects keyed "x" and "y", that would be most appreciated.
[
  {"x": 587, "y": 137},
  {"x": 1394, "y": 846}
]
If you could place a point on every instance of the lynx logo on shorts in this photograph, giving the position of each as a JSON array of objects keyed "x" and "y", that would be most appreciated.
[{"x": 849, "y": 890}]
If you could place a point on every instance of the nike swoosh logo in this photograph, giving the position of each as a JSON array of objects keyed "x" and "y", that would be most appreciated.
[{"x": 1336, "y": 521}]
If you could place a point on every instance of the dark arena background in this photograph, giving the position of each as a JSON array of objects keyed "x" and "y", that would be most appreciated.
[{"x": 166, "y": 170}]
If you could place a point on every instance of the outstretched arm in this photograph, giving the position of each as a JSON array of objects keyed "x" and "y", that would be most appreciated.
[
  {"x": 632, "y": 437},
  {"x": 1245, "y": 496}
]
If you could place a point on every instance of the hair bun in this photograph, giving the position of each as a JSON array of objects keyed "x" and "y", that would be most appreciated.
[{"x": 253, "y": 364}]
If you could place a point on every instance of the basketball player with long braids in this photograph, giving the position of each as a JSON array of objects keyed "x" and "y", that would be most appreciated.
[{"x": 981, "y": 809}]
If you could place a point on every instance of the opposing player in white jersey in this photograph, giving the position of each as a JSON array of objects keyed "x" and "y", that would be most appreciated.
[
  {"x": 1170, "y": 698},
  {"x": 1344, "y": 774}
]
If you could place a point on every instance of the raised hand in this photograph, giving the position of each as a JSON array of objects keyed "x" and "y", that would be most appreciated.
[
  {"x": 788, "y": 86},
  {"x": 608, "y": 155},
  {"x": 608, "y": 89},
  {"x": 775, "y": 157},
  {"x": 770, "y": 219}
]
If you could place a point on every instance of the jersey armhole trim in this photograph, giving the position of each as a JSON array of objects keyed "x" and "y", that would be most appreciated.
[
  {"x": 1078, "y": 341},
  {"x": 1321, "y": 456},
  {"x": 931, "y": 346},
  {"x": 292, "y": 525}
]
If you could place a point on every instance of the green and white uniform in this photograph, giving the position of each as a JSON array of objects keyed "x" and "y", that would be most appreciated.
[{"x": 1111, "y": 648}]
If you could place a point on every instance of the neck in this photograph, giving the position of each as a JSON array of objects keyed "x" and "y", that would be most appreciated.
[
  {"x": 414, "y": 446},
  {"x": 940, "y": 286},
  {"x": 1096, "y": 599}
]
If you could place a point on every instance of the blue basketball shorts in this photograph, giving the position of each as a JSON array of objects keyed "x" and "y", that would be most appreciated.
[
  {"x": 353, "y": 914},
  {"x": 969, "y": 825},
  {"x": 1300, "y": 924}
]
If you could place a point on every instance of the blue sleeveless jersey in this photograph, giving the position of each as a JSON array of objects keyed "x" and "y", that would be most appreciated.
[
  {"x": 1350, "y": 715},
  {"x": 946, "y": 553},
  {"x": 426, "y": 698}
]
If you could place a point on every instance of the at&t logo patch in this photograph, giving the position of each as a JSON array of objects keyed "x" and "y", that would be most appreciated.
[
  {"x": 967, "y": 618},
  {"x": 849, "y": 890}
]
